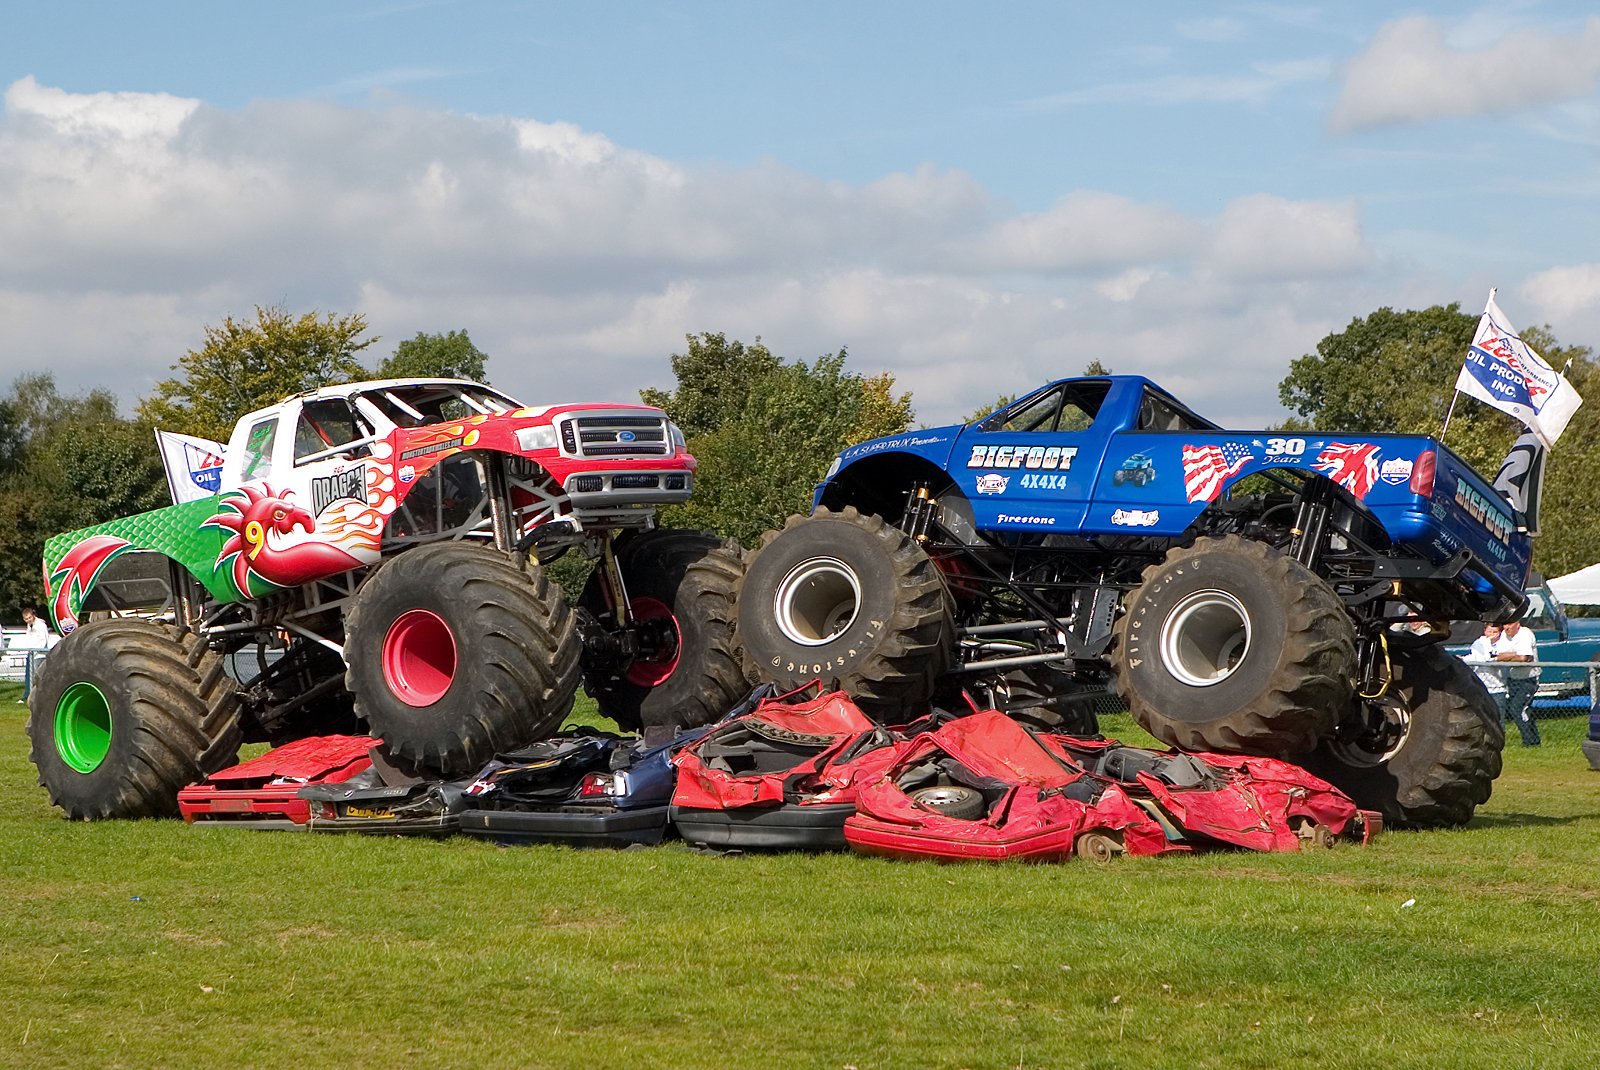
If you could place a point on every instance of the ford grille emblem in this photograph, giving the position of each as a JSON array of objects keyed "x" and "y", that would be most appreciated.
[{"x": 624, "y": 436}]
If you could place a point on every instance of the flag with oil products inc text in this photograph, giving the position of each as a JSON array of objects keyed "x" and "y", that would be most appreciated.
[{"x": 1501, "y": 370}]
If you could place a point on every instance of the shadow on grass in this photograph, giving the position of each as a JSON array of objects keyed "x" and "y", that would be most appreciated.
[{"x": 1496, "y": 821}]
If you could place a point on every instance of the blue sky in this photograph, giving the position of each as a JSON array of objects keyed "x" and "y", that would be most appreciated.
[{"x": 976, "y": 197}]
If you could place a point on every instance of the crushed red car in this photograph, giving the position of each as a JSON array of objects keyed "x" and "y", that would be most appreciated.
[
  {"x": 783, "y": 775},
  {"x": 984, "y": 787},
  {"x": 323, "y": 784}
]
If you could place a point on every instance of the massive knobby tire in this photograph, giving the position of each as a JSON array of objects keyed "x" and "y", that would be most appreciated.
[
  {"x": 691, "y": 576},
  {"x": 1228, "y": 645},
  {"x": 1439, "y": 758},
  {"x": 454, "y": 654},
  {"x": 125, "y": 713},
  {"x": 850, "y": 600}
]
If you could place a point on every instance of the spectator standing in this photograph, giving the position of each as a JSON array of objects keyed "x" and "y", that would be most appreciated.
[
  {"x": 1493, "y": 679},
  {"x": 35, "y": 633},
  {"x": 1516, "y": 645}
]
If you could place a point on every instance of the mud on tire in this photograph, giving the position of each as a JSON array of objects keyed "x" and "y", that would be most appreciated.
[
  {"x": 453, "y": 654},
  {"x": 851, "y": 600},
  {"x": 1229, "y": 645},
  {"x": 693, "y": 575},
  {"x": 1441, "y": 761},
  {"x": 124, "y": 714}
]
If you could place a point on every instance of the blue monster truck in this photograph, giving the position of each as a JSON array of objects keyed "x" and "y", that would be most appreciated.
[{"x": 1278, "y": 594}]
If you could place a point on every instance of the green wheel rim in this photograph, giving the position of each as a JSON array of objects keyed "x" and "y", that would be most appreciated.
[{"x": 83, "y": 727}]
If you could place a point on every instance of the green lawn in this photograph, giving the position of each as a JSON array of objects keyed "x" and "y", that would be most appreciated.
[{"x": 142, "y": 944}]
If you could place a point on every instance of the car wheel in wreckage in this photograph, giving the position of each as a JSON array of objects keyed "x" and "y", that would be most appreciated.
[
  {"x": 1230, "y": 645},
  {"x": 1426, "y": 752},
  {"x": 853, "y": 601},
  {"x": 454, "y": 654},
  {"x": 126, "y": 712},
  {"x": 688, "y": 578}
]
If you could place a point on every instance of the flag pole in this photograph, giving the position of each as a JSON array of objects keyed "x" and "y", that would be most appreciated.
[{"x": 1453, "y": 395}]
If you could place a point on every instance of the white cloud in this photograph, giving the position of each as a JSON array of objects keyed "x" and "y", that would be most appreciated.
[
  {"x": 1265, "y": 237},
  {"x": 129, "y": 221},
  {"x": 1412, "y": 72},
  {"x": 1263, "y": 80},
  {"x": 1562, "y": 291}
]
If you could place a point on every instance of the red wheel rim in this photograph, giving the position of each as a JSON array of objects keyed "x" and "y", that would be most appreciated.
[
  {"x": 654, "y": 673},
  {"x": 419, "y": 658}
]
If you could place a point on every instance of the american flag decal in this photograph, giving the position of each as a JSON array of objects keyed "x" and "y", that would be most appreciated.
[
  {"x": 1206, "y": 468},
  {"x": 1354, "y": 466}
]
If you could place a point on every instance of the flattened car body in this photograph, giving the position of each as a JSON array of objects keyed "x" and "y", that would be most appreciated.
[
  {"x": 264, "y": 792},
  {"x": 588, "y": 789},
  {"x": 1045, "y": 798},
  {"x": 783, "y": 776}
]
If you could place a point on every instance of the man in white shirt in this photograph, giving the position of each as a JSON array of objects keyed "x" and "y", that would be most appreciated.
[
  {"x": 1493, "y": 679},
  {"x": 1516, "y": 645},
  {"x": 35, "y": 633}
]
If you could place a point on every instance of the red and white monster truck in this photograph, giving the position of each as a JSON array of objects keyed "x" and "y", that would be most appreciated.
[{"x": 371, "y": 556}]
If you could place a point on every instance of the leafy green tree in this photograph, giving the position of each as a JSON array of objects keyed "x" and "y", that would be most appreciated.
[
  {"x": 435, "y": 356},
  {"x": 764, "y": 431},
  {"x": 247, "y": 365},
  {"x": 69, "y": 462},
  {"x": 1396, "y": 371}
]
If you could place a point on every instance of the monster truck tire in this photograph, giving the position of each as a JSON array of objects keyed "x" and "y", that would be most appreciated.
[
  {"x": 1228, "y": 645},
  {"x": 1444, "y": 763},
  {"x": 453, "y": 654},
  {"x": 125, "y": 713},
  {"x": 1048, "y": 698},
  {"x": 693, "y": 576},
  {"x": 853, "y": 601}
]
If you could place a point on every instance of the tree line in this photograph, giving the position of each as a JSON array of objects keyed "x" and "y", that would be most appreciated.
[{"x": 762, "y": 429}]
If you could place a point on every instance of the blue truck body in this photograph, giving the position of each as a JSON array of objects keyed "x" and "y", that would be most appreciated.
[{"x": 1070, "y": 478}]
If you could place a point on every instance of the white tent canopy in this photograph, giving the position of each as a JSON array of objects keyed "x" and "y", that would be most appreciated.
[{"x": 1580, "y": 588}]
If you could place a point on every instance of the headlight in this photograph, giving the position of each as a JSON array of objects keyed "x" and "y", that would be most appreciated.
[
  {"x": 540, "y": 437},
  {"x": 676, "y": 435}
]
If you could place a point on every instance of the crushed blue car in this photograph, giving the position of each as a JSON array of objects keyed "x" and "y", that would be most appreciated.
[{"x": 583, "y": 788}]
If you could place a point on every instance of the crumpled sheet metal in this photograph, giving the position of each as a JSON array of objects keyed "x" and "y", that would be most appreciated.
[
  {"x": 835, "y": 732},
  {"x": 1048, "y": 798}
]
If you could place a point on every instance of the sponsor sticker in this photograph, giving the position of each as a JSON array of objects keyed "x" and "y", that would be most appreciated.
[
  {"x": 1006, "y": 518},
  {"x": 992, "y": 484},
  {"x": 1136, "y": 518},
  {"x": 408, "y": 473},
  {"x": 1396, "y": 470},
  {"x": 437, "y": 447},
  {"x": 325, "y": 490},
  {"x": 1023, "y": 455}
]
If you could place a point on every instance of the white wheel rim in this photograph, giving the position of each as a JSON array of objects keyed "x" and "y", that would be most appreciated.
[
  {"x": 1205, "y": 638},
  {"x": 817, "y": 601}
]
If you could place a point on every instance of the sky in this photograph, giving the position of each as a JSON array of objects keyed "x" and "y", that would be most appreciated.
[{"x": 976, "y": 198}]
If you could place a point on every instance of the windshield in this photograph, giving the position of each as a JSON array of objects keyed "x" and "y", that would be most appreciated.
[{"x": 416, "y": 404}]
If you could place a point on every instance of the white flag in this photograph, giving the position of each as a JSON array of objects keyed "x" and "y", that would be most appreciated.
[
  {"x": 1501, "y": 370},
  {"x": 194, "y": 465}
]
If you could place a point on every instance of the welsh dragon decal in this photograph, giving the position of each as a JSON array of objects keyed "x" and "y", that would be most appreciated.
[
  {"x": 262, "y": 554},
  {"x": 72, "y": 578}
]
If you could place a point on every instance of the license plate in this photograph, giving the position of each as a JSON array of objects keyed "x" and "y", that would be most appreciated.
[{"x": 358, "y": 811}]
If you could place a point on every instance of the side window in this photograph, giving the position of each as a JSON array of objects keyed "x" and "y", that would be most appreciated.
[
  {"x": 1040, "y": 415},
  {"x": 1156, "y": 414},
  {"x": 324, "y": 425},
  {"x": 258, "y": 451},
  {"x": 1538, "y": 616}
]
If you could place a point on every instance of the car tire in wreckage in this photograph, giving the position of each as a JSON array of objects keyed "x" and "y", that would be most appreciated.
[
  {"x": 853, "y": 601},
  {"x": 126, "y": 712},
  {"x": 1436, "y": 759},
  {"x": 691, "y": 576},
  {"x": 454, "y": 654},
  {"x": 1230, "y": 645}
]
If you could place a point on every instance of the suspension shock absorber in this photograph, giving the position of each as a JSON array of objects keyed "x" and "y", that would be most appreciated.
[{"x": 1310, "y": 529}]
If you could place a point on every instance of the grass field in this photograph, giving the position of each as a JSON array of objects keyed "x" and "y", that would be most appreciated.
[{"x": 151, "y": 944}]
